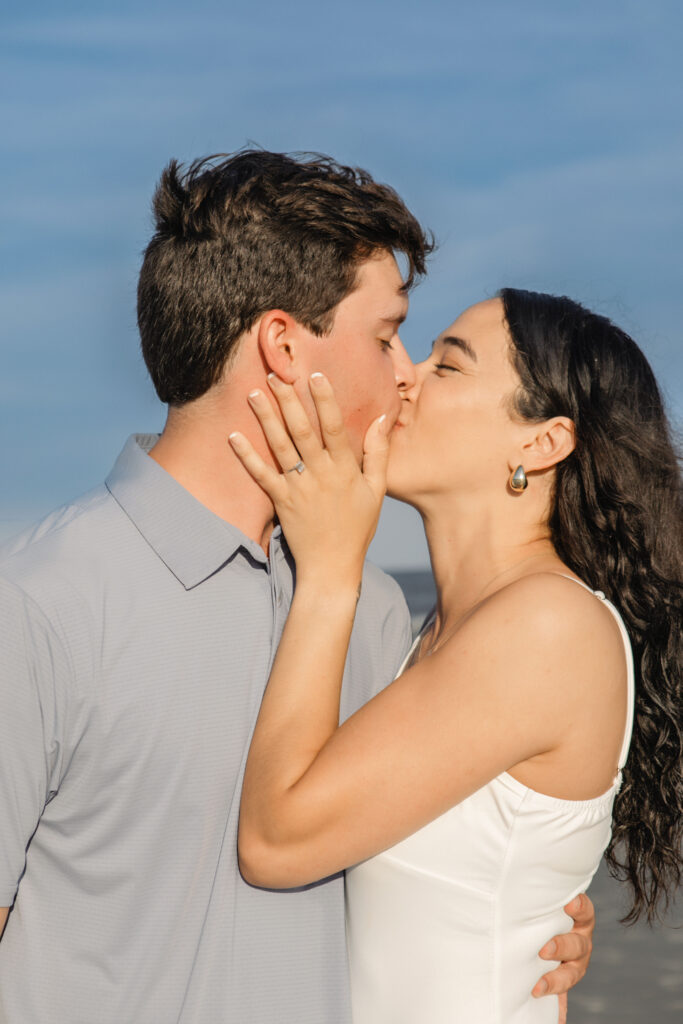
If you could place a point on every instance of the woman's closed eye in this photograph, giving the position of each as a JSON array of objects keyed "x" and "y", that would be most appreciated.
[{"x": 447, "y": 366}]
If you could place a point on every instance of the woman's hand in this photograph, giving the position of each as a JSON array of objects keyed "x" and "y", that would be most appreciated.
[{"x": 328, "y": 507}]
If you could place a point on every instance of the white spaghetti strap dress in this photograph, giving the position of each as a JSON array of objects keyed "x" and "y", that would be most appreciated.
[{"x": 444, "y": 927}]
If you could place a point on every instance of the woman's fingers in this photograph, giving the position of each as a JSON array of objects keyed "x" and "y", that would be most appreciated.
[
  {"x": 330, "y": 418},
  {"x": 280, "y": 442},
  {"x": 269, "y": 479},
  {"x": 376, "y": 456},
  {"x": 297, "y": 422},
  {"x": 297, "y": 437}
]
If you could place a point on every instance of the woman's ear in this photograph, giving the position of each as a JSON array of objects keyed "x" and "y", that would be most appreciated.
[
  {"x": 552, "y": 441},
  {"x": 279, "y": 343}
]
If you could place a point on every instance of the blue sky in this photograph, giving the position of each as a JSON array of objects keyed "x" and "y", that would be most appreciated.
[{"x": 542, "y": 142}]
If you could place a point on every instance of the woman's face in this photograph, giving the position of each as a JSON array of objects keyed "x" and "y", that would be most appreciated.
[{"x": 454, "y": 432}]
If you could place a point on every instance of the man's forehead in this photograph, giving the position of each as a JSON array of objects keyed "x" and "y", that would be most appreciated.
[
  {"x": 382, "y": 267},
  {"x": 379, "y": 293}
]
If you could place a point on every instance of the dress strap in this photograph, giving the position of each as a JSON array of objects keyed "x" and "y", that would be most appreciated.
[
  {"x": 410, "y": 653},
  {"x": 420, "y": 633}
]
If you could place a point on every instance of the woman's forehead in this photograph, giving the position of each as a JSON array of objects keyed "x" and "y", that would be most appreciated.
[{"x": 481, "y": 327}]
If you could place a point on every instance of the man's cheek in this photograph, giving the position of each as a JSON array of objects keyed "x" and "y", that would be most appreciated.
[{"x": 357, "y": 421}]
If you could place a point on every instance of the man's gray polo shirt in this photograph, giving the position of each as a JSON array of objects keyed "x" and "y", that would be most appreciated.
[{"x": 137, "y": 631}]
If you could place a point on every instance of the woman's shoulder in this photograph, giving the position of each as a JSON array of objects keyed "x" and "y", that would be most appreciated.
[
  {"x": 544, "y": 619},
  {"x": 572, "y": 672},
  {"x": 554, "y": 600}
]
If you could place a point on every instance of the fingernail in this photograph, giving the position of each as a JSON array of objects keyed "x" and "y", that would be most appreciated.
[
  {"x": 550, "y": 949},
  {"x": 253, "y": 395},
  {"x": 236, "y": 439},
  {"x": 382, "y": 421},
  {"x": 317, "y": 379},
  {"x": 540, "y": 989},
  {"x": 274, "y": 380}
]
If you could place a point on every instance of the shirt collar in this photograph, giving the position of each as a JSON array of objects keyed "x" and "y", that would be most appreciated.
[{"x": 189, "y": 539}]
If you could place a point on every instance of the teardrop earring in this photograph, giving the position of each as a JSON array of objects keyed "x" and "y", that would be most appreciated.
[{"x": 518, "y": 480}]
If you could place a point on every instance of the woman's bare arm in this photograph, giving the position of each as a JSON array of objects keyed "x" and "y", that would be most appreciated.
[{"x": 317, "y": 798}]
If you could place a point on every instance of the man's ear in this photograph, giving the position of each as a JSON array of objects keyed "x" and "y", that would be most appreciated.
[
  {"x": 280, "y": 344},
  {"x": 551, "y": 442}
]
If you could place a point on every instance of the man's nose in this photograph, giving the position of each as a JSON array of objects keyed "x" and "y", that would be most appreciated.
[
  {"x": 404, "y": 369},
  {"x": 420, "y": 370}
]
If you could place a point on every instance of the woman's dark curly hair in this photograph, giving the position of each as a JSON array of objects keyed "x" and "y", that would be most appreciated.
[{"x": 617, "y": 522}]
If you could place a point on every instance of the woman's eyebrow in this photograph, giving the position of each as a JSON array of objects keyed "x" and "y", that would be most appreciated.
[{"x": 460, "y": 343}]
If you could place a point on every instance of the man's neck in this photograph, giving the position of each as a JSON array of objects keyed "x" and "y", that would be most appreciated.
[{"x": 194, "y": 450}]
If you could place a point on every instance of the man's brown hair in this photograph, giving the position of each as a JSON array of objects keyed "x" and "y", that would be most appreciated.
[{"x": 239, "y": 234}]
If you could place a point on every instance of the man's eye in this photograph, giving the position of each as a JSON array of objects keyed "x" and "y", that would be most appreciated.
[{"x": 384, "y": 343}]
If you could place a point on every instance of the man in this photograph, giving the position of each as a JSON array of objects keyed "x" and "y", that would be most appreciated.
[{"x": 139, "y": 623}]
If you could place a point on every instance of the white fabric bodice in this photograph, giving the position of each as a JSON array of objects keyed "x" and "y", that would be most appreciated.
[{"x": 445, "y": 927}]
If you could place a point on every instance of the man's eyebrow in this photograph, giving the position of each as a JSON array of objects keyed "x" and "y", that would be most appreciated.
[
  {"x": 460, "y": 343},
  {"x": 399, "y": 318}
]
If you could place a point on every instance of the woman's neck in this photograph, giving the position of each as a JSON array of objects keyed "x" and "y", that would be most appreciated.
[{"x": 475, "y": 551}]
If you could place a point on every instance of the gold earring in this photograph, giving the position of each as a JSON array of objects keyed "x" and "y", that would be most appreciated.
[{"x": 518, "y": 480}]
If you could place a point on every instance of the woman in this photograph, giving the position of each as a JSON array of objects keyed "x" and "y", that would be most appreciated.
[{"x": 477, "y": 793}]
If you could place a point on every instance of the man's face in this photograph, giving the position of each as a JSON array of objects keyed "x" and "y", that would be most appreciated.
[{"x": 363, "y": 355}]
